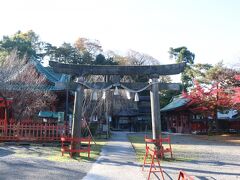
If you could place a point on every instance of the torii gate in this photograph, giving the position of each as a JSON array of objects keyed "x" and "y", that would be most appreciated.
[{"x": 153, "y": 71}]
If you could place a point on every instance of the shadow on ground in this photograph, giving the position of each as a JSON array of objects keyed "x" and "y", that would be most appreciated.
[{"x": 5, "y": 152}]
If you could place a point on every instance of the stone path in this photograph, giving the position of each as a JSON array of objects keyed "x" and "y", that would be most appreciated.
[{"x": 117, "y": 161}]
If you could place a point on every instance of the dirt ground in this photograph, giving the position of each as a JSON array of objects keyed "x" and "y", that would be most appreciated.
[
  {"x": 231, "y": 138},
  {"x": 205, "y": 157}
]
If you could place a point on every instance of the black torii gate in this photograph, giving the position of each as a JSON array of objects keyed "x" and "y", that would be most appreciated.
[{"x": 152, "y": 71}]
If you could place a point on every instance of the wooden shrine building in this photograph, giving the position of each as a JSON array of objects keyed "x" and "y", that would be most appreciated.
[{"x": 179, "y": 117}]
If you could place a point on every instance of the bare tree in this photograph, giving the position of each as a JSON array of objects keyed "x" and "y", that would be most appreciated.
[
  {"x": 29, "y": 89},
  {"x": 87, "y": 45},
  {"x": 133, "y": 58},
  {"x": 137, "y": 58}
]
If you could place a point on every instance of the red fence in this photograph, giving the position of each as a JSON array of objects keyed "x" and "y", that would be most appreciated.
[{"x": 30, "y": 131}]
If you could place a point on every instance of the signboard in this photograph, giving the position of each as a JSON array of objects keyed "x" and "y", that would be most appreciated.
[{"x": 60, "y": 117}]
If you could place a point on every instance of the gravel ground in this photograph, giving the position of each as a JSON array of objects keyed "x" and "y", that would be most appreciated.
[
  {"x": 203, "y": 159},
  {"x": 14, "y": 167}
]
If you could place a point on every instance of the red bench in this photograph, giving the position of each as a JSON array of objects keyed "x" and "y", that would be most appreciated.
[
  {"x": 67, "y": 145},
  {"x": 166, "y": 142},
  {"x": 163, "y": 143}
]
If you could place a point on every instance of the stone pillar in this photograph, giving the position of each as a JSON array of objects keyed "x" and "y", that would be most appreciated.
[
  {"x": 155, "y": 108},
  {"x": 77, "y": 115}
]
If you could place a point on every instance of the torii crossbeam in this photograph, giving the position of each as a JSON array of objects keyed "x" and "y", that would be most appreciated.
[{"x": 82, "y": 70}]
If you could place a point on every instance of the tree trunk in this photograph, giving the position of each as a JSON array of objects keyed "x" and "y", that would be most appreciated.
[
  {"x": 215, "y": 112},
  {"x": 216, "y": 122},
  {"x": 210, "y": 124}
]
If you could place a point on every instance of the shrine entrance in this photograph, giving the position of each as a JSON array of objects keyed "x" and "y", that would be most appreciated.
[{"x": 116, "y": 73}]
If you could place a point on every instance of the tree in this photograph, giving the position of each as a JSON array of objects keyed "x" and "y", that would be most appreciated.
[
  {"x": 91, "y": 46},
  {"x": 198, "y": 72},
  {"x": 225, "y": 79},
  {"x": 182, "y": 54},
  {"x": 119, "y": 59},
  {"x": 84, "y": 51},
  {"x": 137, "y": 58},
  {"x": 209, "y": 100},
  {"x": 224, "y": 76},
  {"x": 26, "y": 44},
  {"x": 214, "y": 90},
  {"x": 236, "y": 96},
  {"x": 89, "y": 49},
  {"x": 66, "y": 53},
  {"x": 101, "y": 60},
  {"x": 20, "y": 81},
  {"x": 133, "y": 58}
]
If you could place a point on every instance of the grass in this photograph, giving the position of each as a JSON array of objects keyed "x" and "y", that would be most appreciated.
[
  {"x": 54, "y": 153},
  {"x": 139, "y": 147}
]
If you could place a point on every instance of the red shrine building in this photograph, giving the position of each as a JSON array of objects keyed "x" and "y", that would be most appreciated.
[{"x": 179, "y": 117}]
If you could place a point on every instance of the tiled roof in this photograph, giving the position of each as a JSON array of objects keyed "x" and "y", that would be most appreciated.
[
  {"x": 176, "y": 102},
  {"x": 51, "y": 76}
]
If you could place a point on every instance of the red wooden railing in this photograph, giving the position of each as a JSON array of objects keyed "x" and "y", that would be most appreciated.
[{"x": 30, "y": 131}]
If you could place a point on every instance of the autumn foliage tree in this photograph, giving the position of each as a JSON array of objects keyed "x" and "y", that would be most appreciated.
[
  {"x": 215, "y": 92},
  {"x": 236, "y": 97},
  {"x": 209, "y": 100}
]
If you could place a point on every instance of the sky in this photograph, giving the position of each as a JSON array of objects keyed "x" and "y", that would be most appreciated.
[{"x": 208, "y": 28}]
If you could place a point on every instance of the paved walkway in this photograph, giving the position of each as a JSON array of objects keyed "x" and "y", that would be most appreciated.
[{"x": 117, "y": 161}]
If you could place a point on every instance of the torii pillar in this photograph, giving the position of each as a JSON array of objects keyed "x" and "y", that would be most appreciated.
[
  {"x": 155, "y": 108},
  {"x": 77, "y": 115}
]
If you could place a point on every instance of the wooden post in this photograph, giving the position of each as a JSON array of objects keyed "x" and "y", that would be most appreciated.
[
  {"x": 5, "y": 121},
  {"x": 106, "y": 79},
  {"x": 155, "y": 109},
  {"x": 67, "y": 100},
  {"x": 66, "y": 103},
  {"x": 77, "y": 116}
]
